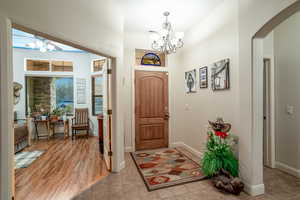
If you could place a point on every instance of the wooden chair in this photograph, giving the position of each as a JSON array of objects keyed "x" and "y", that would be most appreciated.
[{"x": 81, "y": 121}]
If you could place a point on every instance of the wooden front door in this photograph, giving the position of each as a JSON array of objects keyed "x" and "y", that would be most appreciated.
[{"x": 151, "y": 110}]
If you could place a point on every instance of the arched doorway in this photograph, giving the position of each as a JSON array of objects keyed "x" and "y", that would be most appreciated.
[{"x": 258, "y": 88}]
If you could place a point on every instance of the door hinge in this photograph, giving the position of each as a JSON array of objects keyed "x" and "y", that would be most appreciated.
[
  {"x": 109, "y": 111},
  {"x": 109, "y": 71},
  {"x": 110, "y": 153}
]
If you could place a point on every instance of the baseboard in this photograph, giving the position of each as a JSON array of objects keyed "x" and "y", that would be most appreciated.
[
  {"x": 129, "y": 149},
  {"x": 189, "y": 148},
  {"x": 254, "y": 190},
  {"x": 288, "y": 169}
]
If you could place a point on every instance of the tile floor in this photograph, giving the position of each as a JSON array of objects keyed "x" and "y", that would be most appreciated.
[{"x": 128, "y": 185}]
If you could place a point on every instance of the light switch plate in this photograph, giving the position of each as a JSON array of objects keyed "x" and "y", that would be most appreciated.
[
  {"x": 187, "y": 107},
  {"x": 289, "y": 109}
]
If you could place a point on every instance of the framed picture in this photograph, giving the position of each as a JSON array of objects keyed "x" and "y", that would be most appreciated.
[
  {"x": 220, "y": 75},
  {"x": 203, "y": 77},
  {"x": 190, "y": 81}
]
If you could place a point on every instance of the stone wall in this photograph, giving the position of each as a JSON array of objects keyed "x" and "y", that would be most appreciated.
[{"x": 41, "y": 92}]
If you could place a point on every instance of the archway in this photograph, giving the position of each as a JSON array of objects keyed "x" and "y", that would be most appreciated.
[{"x": 257, "y": 83}]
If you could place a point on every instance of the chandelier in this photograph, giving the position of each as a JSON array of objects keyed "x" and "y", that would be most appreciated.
[{"x": 166, "y": 40}]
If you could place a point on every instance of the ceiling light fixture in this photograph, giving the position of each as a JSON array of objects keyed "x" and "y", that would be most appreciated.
[
  {"x": 166, "y": 40},
  {"x": 42, "y": 44}
]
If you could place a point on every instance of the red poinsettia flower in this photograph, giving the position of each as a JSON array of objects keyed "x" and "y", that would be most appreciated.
[{"x": 221, "y": 134}]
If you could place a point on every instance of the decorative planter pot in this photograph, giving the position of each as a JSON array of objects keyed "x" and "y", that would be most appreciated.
[{"x": 43, "y": 117}]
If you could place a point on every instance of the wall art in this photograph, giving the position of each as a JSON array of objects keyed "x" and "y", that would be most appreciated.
[
  {"x": 220, "y": 75},
  {"x": 203, "y": 81},
  {"x": 190, "y": 81}
]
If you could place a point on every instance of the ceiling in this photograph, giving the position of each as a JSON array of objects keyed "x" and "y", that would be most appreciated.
[
  {"x": 21, "y": 39},
  {"x": 145, "y": 15}
]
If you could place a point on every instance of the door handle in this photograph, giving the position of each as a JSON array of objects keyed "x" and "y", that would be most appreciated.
[{"x": 167, "y": 116}]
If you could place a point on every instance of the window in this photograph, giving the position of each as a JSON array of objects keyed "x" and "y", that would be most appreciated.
[
  {"x": 45, "y": 65},
  {"x": 64, "y": 94},
  {"x": 62, "y": 66},
  {"x": 147, "y": 57},
  {"x": 151, "y": 59},
  {"x": 44, "y": 94},
  {"x": 37, "y": 65},
  {"x": 98, "y": 65},
  {"x": 97, "y": 95}
]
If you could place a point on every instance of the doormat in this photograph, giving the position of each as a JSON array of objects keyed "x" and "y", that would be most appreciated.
[
  {"x": 24, "y": 159},
  {"x": 165, "y": 168}
]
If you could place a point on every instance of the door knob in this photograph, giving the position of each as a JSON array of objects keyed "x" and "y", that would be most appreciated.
[{"x": 167, "y": 116}]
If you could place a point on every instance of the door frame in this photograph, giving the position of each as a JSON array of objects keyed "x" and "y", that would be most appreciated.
[
  {"x": 150, "y": 69},
  {"x": 6, "y": 105},
  {"x": 269, "y": 105}
]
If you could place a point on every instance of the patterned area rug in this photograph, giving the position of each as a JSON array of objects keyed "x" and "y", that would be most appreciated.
[
  {"x": 24, "y": 159},
  {"x": 166, "y": 168}
]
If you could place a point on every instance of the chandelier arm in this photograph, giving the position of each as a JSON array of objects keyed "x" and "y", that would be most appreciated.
[{"x": 180, "y": 43}]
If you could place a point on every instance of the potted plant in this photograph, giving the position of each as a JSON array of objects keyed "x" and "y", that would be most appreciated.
[
  {"x": 56, "y": 113},
  {"x": 219, "y": 161}
]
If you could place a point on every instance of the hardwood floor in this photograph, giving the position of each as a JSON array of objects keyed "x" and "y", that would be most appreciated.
[{"x": 65, "y": 169}]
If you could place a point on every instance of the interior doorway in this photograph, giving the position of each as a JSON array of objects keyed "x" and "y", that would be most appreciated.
[
  {"x": 55, "y": 83},
  {"x": 267, "y": 135},
  {"x": 151, "y": 110}
]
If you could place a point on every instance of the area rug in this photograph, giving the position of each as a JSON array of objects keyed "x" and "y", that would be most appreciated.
[
  {"x": 166, "y": 168},
  {"x": 24, "y": 159}
]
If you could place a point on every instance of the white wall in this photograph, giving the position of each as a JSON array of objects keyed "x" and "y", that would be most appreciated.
[
  {"x": 81, "y": 69},
  {"x": 286, "y": 48},
  {"x": 194, "y": 110}
]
